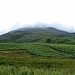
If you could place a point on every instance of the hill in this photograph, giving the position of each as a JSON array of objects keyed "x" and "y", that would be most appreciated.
[{"x": 29, "y": 35}]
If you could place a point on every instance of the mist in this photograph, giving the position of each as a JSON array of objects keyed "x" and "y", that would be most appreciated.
[
  {"x": 42, "y": 25},
  {"x": 38, "y": 25}
]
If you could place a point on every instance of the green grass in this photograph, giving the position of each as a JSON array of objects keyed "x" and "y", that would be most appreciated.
[
  {"x": 38, "y": 49},
  {"x": 24, "y": 70},
  {"x": 47, "y": 50},
  {"x": 65, "y": 47},
  {"x": 37, "y": 59}
]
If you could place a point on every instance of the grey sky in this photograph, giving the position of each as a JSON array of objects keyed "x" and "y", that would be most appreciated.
[{"x": 18, "y": 13}]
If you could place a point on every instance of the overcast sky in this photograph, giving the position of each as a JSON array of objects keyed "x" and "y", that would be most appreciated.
[{"x": 17, "y": 13}]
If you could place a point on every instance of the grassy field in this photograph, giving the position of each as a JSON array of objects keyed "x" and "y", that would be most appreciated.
[
  {"x": 37, "y": 59},
  {"x": 24, "y": 70}
]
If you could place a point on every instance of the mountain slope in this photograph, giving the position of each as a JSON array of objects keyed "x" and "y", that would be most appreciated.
[{"x": 24, "y": 35}]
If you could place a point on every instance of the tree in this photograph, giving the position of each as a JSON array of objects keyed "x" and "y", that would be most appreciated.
[{"x": 48, "y": 40}]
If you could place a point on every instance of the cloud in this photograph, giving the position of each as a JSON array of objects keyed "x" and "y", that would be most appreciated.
[
  {"x": 17, "y": 13},
  {"x": 39, "y": 24}
]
